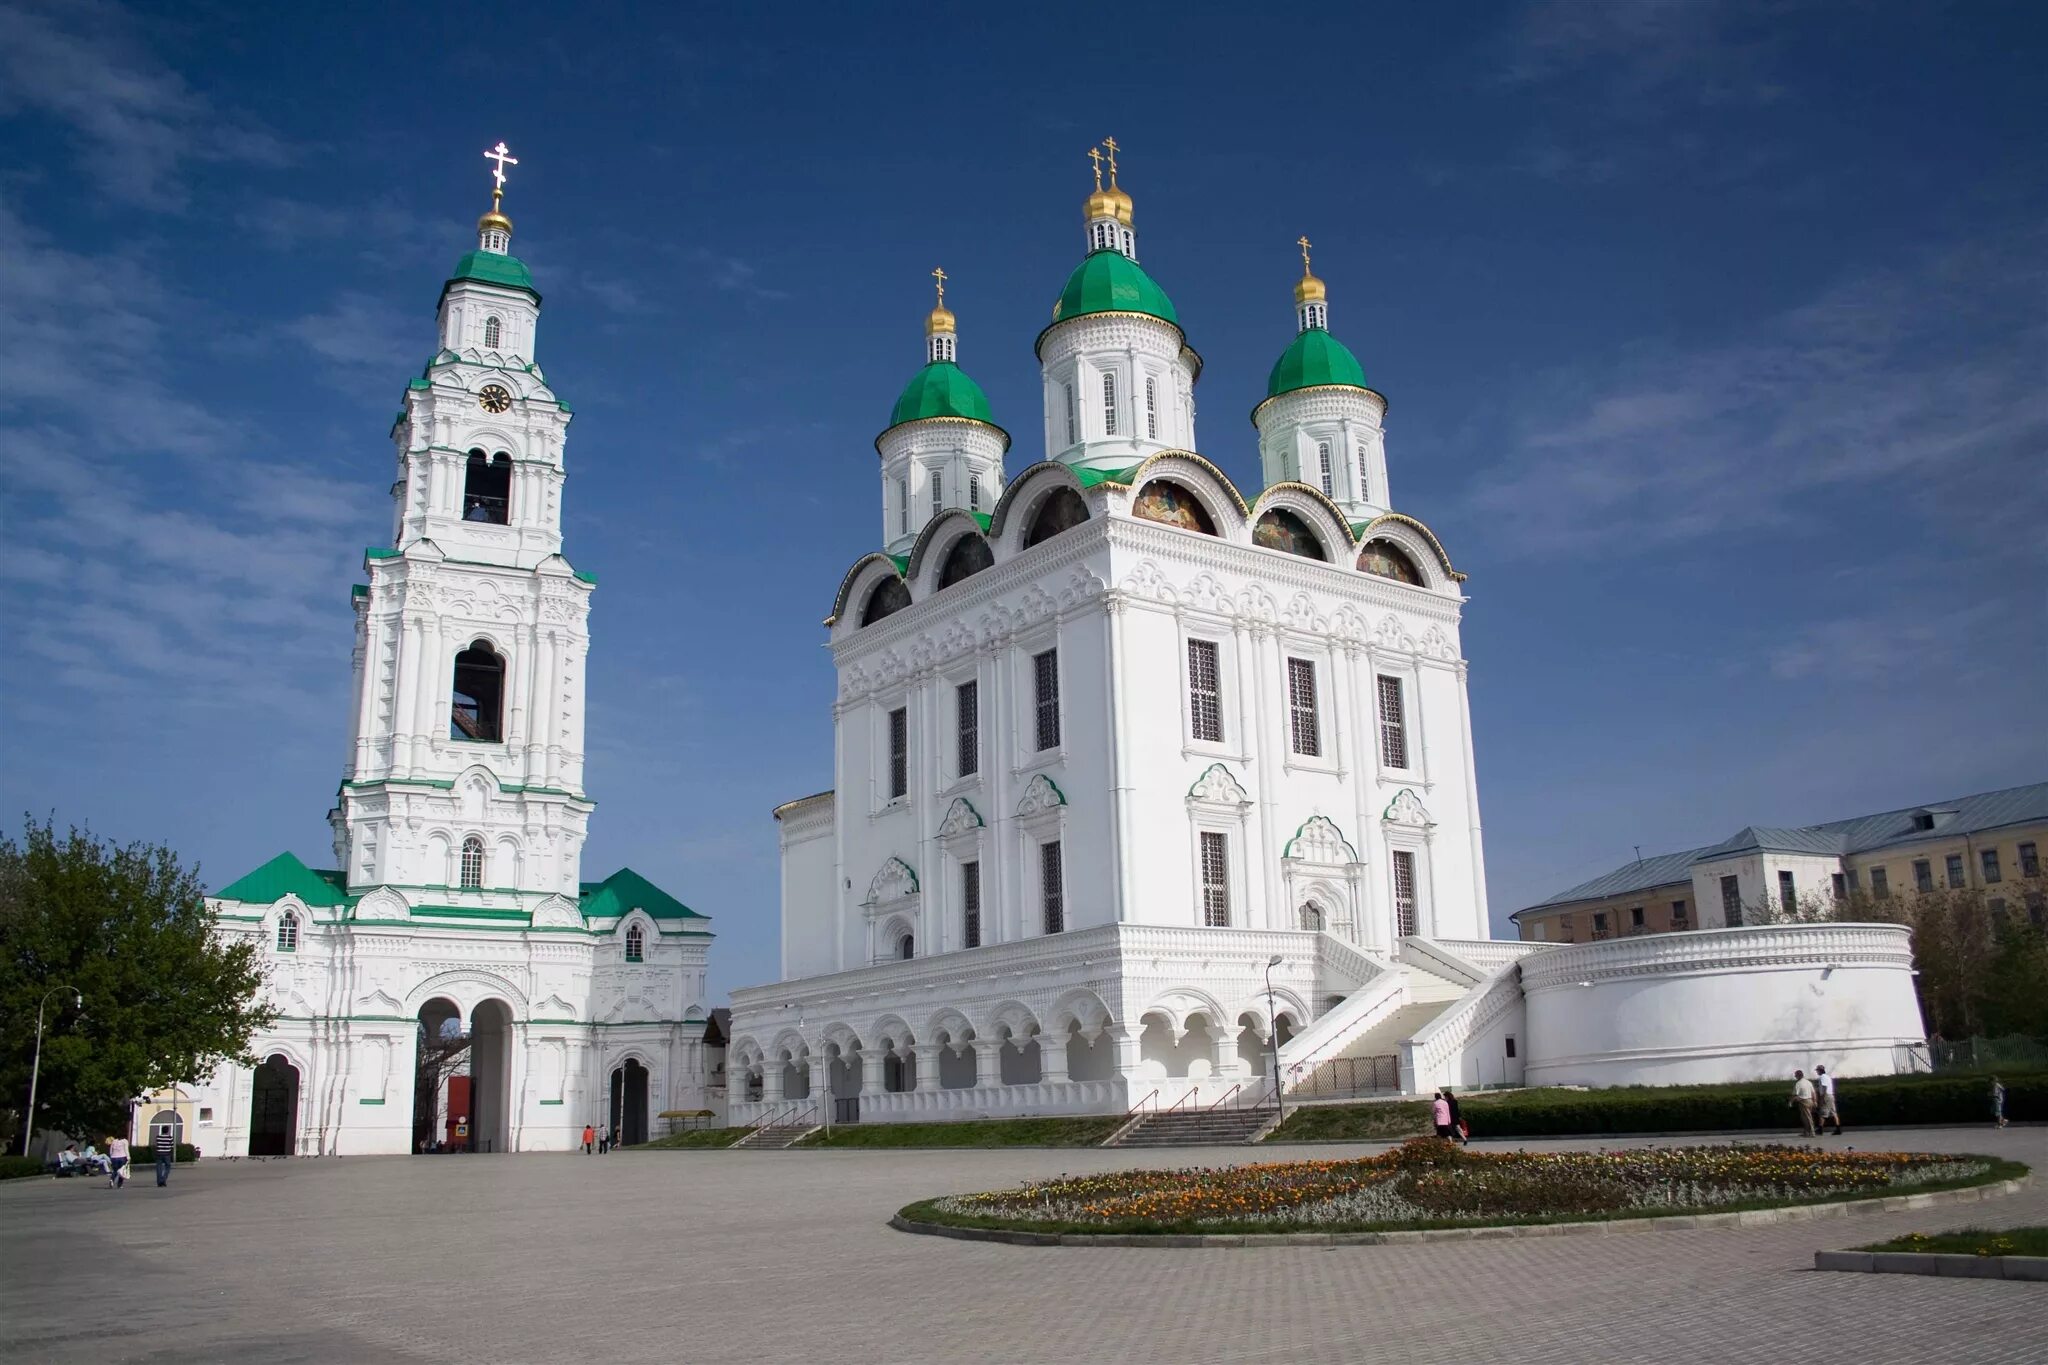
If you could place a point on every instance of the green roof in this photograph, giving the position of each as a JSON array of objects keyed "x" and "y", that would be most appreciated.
[
  {"x": 1111, "y": 282},
  {"x": 941, "y": 389},
  {"x": 284, "y": 876},
  {"x": 491, "y": 267},
  {"x": 626, "y": 890},
  {"x": 1314, "y": 358}
]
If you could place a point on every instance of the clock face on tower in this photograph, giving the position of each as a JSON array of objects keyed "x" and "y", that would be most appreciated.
[{"x": 494, "y": 398}]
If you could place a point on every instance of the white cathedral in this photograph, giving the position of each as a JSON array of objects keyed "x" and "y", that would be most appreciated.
[{"x": 457, "y": 909}]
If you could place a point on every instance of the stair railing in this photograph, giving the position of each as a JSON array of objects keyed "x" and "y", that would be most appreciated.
[
  {"x": 1184, "y": 1099},
  {"x": 1228, "y": 1095},
  {"x": 1153, "y": 1095}
]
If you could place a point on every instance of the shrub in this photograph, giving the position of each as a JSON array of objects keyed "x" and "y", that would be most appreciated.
[{"x": 15, "y": 1167}]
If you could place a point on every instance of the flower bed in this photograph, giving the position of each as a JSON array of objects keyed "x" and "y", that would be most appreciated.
[{"x": 1432, "y": 1183}]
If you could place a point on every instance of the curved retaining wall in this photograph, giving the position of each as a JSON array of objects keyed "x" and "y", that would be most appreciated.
[{"x": 1722, "y": 1005}]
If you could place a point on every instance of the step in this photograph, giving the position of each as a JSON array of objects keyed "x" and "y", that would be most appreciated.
[{"x": 1203, "y": 1128}]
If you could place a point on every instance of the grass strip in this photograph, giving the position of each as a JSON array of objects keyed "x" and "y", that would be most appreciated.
[
  {"x": 1042, "y": 1132},
  {"x": 1971, "y": 1242}
]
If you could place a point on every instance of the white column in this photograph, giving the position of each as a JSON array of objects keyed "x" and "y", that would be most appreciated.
[
  {"x": 1052, "y": 1056},
  {"x": 1223, "y": 1058},
  {"x": 872, "y": 1060},
  {"x": 928, "y": 1065},
  {"x": 988, "y": 1063}
]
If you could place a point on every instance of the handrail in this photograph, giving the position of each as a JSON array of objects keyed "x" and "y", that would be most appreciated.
[
  {"x": 1181, "y": 1101},
  {"x": 1153, "y": 1095},
  {"x": 1226, "y": 1095}
]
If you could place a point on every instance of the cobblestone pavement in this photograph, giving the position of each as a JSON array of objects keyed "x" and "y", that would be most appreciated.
[{"x": 784, "y": 1256}]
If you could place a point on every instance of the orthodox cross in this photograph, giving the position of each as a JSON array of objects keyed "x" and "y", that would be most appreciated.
[
  {"x": 939, "y": 274},
  {"x": 503, "y": 156},
  {"x": 1095, "y": 155},
  {"x": 1110, "y": 143},
  {"x": 1303, "y": 243}
]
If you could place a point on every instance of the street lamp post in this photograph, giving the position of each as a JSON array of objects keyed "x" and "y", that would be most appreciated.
[
  {"x": 28, "y": 1127},
  {"x": 1273, "y": 1024}
]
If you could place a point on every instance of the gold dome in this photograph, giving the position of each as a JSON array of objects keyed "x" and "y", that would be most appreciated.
[
  {"x": 1309, "y": 289},
  {"x": 941, "y": 320},
  {"x": 494, "y": 221},
  {"x": 1111, "y": 202}
]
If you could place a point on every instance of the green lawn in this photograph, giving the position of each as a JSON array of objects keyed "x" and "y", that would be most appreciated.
[
  {"x": 1046, "y": 1132},
  {"x": 1971, "y": 1242},
  {"x": 693, "y": 1138}
]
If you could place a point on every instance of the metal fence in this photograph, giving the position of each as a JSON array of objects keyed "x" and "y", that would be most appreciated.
[
  {"x": 1978, "y": 1054},
  {"x": 1341, "y": 1076}
]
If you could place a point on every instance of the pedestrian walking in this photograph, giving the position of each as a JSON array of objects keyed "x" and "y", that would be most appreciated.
[
  {"x": 589, "y": 1138},
  {"x": 1802, "y": 1100},
  {"x": 166, "y": 1147},
  {"x": 117, "y": 1162},
  {"x": 1824, "y": 1101},
  {"x": 604, "y": 1140},
  {"x": 1440, "y": 1114},
  {"x": 1458, "y": 1129},
  {"x": 1997, "y": 1103}
]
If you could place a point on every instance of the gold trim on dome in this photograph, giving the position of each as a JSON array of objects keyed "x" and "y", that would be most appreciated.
[{"x": 1319, "y": 388}]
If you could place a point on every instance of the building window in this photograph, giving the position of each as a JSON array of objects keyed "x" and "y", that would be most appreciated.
[
  {"x": 1050, "y": 891},
  {"x": 1393, "y": 725},
  {"x": 1303, "y": 727},
  {"x": 967, "y": 711},
  {"x": 1855, "y": 885},
  {"x": 1955, "y": 870},
  {"x": 206, "y": 1113},
  {"x": 1600, "y": 924},
  {"x": 1205, "y": 701},
  {"x": 487, "y": 488},
  {"x": 1045, "y": 677},
  {"x": 493, "y": 332},
  {"x": 1109, "y": 405},
  {"x": 1678, "y": 914},
  {"x": 1731, "y": 900},
  {"x": 1880, "y": 886},
  {"x": 1072, "y": 410},
  {"x": 1311, "y": 915},
  {"x": 1923, "y": 875},
  {"x": 1364, "y": 483},
  {"x": 472, "y": 863},
  {"x": 974, "y": 492},
  {"x": 1511, "y": 1046},
  {"x": 2037, "y": 909},
  {"x": 1990, "y": 860},
  {"x": 2030, "y": 861},
  {"x": 938, "y": 491},
  {"x": 906, "y": 947},
  {"x": 1996, "y": 905},
  {"x": 970, "y": 905},
  {"x": 899, "y": 752},
  {"x": 288, "y": 933},
  {"x": 1635, "y": 918},
  {"x": 477, "y": 710},
  {"x": 1404, "y": 894},
  {"x": 1841, "y": 885},
  {"x": 1323, "y": 463},
  {"x": 1215, "y": 879},
  {"x": 636, "y": 944},
  {"x": 1788, "y": 898},
  {"x": 1151, "y": 407},
  {"x": 903, "y": 506}
]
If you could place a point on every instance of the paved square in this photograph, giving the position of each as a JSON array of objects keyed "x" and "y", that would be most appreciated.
[{"x": 782, "y": 1256}]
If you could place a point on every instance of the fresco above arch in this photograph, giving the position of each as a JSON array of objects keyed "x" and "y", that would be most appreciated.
[{"x": 1165, "y": 501}]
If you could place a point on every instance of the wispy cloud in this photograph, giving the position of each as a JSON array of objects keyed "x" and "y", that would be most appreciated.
[
  {"x": 1699, "y": 51},
  {"x": 733, "y": 275},
  {"x": 360, "y": 337}
]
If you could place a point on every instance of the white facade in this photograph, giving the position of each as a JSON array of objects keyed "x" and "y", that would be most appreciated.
[{"x": 458, "y": 902}]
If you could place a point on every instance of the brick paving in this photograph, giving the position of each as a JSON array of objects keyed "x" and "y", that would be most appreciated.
[{"x": 785, "y": 1256}]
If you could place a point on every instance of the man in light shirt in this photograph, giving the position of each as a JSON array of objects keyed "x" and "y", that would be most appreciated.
[
  {"x": 1802, "y": 1100},
  {"x": 1824, "y": 1101}
]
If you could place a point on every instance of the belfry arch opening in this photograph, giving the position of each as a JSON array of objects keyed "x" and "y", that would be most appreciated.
[
  {"x": 1060, "y": 510},
  {"x": 478, "y": 711},
  {"x": 487, "y": 488}
]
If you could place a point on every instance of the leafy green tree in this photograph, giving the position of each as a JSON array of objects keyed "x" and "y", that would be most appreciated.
[{"x": 166, "y": 999}]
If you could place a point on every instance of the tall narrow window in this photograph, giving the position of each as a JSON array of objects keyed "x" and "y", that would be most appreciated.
[
  {"x": 938, "y": 491},
  {"x": 1073, "y": 411},
  {"x": 477, "y": 709},
  {"x": 1215, "y": 879},
  {"x": 1840, "y": 883},
  {"x": 1323, "y": 462},
  {"x": 493, "y": 332},
  {"x": 1364, "y": 480},
  {"x": 1051, "y": 886},
  {"x": 1788, "y": 895},
  {"x": 1880, "y": 885},
  {"x": 1109, "y": 404},
  {"x": 1304, "y": 728},
  {"x": 903, "y": 506},
  {"x": 1404, "y": 894},
  {"x": 1393, "y": 724},
  {"x": 1678, "y": 914},
  {"x": 287, "y": 932},
  {"x": 1923, "y": 875},
  {"x": 1045, "y": 678},
  {"x": 970, "y": 905},
  {"x": 1151, "y": 407},
  {"x": 1991, "y": 869},
  {"x": 1205, "y": 704},
  {"x": 967, "y": 715},
  {"x": 636, "y": 944},
  {"x": 1955, "y": 871},
  {"x": 487, "y": 488},
  {"x": 974, "y": 492},
  {"x": 1731, "y": 901},
  {"x": 899, "y": 752},
  {"x": 2030, "y": 860},
  {"x": 472, "y": 863}
]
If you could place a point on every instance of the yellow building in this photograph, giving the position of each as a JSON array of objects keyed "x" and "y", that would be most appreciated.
[{"x": 1990, "y": 842}]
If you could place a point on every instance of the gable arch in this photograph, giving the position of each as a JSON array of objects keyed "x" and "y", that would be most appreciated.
[
  {"x": 1418, "y": 542},
  {"x": 1191, "y": 480},
  {"x": 934, "y": 543},
  {"x": 951, "y": 1022},
  {"x": 1018, "y": 508},
  {"x": 1321, "y": 517},
  {"x": 859, "y": 581}
]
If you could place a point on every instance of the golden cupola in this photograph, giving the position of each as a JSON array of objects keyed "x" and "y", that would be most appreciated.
[{"x": 1107, "y": 210}]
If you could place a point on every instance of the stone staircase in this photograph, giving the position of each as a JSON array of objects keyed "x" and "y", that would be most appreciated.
[
  {"x": 777, "y": 1136},
  {"x": 1193, "y": 1128},
  {"x": 1339, "y": 1070}
]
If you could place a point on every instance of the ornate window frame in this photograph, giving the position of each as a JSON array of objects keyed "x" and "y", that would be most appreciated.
[
  {"x": 1319, "y": 863},
  {"x": 1041, "y": 818},
  {"x": 1219, "y": 804},
  {"x": 1406, "y": 827}
]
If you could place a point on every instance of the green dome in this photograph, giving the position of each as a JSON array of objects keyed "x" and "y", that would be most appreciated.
[
  {"x": 1314, "y": 358},
  {"x": 1111, "y": 282},
  {"x": 492, "y": 267},
  {"x": 941, "y": 389}
]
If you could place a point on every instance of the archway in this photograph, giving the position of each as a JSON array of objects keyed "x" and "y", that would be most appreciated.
[
  {"x": 490, "y": 1077},
  {"x": 274, "y": 1108},
  {"x": 440, "y": 1079},
  {"x": 629, "y": 1104}
]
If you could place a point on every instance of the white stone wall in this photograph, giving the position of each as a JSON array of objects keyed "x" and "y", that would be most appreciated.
[{"x": 1130, "y": 349}]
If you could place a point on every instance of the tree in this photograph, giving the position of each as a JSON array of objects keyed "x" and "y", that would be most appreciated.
[{"x": 166, "y": 999}]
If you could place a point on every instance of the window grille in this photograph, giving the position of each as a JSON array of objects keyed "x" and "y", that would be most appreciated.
[
  {"x": 1364, "y": 482},
  {"x": 1323, "y": 460},
  {"x": 1788, "y": 896},
  {"x": 1050, "y": 886},
  {"x": 1923, "y": 875},
  {"x": 2030, "y": 860},
  {"x": 1205, "y": 703},
  {"x": 472, "y": 862},
  {"x": 1731, "y": 900},
  {"x": 899, "y": 752},
  {"x": 1404, "y": 895},
  {"x": 1311, "y": 915},
  {"x": 1152, "y": 407},
  {"x": 1600, "y": 924},
  {"x": 1678, "y": 914},
  {"x": 1635, "y": 917},
  {"x": 1215, "y": 880},
  {"x": 1073, "y": 410},
  {"x": 1955, "y": 870},
  {"x": 1880, "y": 886},
  {"x": 493, "y": 331},
  {"x": 974, "y": 492},
  {"x": 1045, "y": 670},
  {"x": 967, "y": 710},
  {"x": 938, "y": 491},
  {"x": 636, "y": 944},
  {"x": 1991, "y": 869},
  {"x": 970, "y": 904},
  {"x": 1393, "y": 724},
  {"x": 1304, "y": 727},
  {"x": 1109, "y": 404},
  {"x": 288, "y": 933},
  {"x": 1840, "y": 884}
]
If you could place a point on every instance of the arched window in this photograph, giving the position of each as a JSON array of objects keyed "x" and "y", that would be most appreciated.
[
  {"x": 472, "y": 863},
  {"x": 1164, "y": 500},
  {"x": 1311, "y": 915},
  {"x": 906, "y": 947},
  {"x": 888, "y": 597},
  {"x": 969, "y": 556},
  {"x": 494, "y": 333},
  {"x": 487, "y": 488},
  {"x": 478, "y": 709},
  {"x": 1280, "y": 529},
  {"x": 1061, "y": 510},
  {"x": 636, "y": 944},
  {"x": 287, "y": 932},
  {"x": 1387, "y": 560}
]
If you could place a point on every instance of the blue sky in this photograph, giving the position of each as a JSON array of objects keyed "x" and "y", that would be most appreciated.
[{"x": 1713, "y": 334}]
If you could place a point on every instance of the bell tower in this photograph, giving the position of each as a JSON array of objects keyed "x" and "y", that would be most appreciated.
[{"x": 465, "y": 768}]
